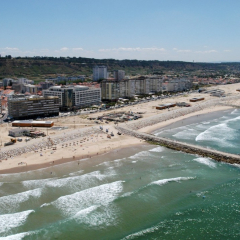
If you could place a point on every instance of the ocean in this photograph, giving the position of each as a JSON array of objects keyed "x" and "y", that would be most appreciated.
[{"x": 141, "y": 192}]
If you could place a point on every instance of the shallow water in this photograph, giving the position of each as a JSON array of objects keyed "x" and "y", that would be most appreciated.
[{"x": 146, "y": 192}]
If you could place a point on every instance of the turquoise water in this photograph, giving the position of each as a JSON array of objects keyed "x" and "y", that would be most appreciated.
[{"x": 144, "y": 192}]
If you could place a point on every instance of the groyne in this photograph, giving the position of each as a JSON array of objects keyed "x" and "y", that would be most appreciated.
[
  {"x": 161, "y": 117},
  {"x": 131, "y": 129},
  {"x": 183, "y": 147}
]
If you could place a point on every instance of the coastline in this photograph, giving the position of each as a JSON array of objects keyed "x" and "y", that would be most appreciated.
[
  {"x": 173, "y": 122},
  {"x": 197, "y": 118},
  {"x": 130, "y": 142},
  {"x": 97, "y": 144},
  {"x": 125, "y": 142}
]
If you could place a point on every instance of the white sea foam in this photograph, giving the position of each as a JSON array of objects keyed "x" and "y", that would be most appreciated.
[
  {"x": 119, "y": 160},
  {"x": 201, "y": 194},
  {"x": 76, "y": 173},
  {"x": 140, "y": 155},
  {"x": 84, "y": 212},
  {"x": 157, "y": 149},
  {"x": 205, "y": 123},
  {"x": 233, "y": 119},
  {"x": 73, "y": 182},
  {"x": 36, "y": 183},
  {"x": 11, "y": 203},
  {"x": 85, "y": 180},
  {"x": 17, "y": 236},
  {"x": 10, "y": 221},
  {"x": 45, "y": 205},
  {"x": 234, "y": 111},
  {"x": 175, "y": 164},
  {"x": 186, "y": 134},
  {"x": 236, "y": 165},
  {"x": 103, "y": 164},
  {"x": 96, "y": 196},
  {"x": 141, "y": 233},
  {"x": 127, "y": 194},
  {"x": 220, "y": 133},
  {"x": 167, "y": 180},
  {"x": 206, "y": 161}
]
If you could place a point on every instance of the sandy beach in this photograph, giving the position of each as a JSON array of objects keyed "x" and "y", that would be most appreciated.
[{"x": 80, "y": 138}]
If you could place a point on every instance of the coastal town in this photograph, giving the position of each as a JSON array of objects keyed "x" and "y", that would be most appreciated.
[
  {"x": 78, "y": 121},
  {"x": 119, "y": 120}
]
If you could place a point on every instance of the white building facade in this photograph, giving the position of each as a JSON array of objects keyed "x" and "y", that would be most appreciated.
[
  {"x": 112, "y": 90},
  {"x": 100, "y": 72},
  {"x": 74, "y": 97}
]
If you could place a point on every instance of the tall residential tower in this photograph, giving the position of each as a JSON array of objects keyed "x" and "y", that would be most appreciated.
[{"x": 99, "y": 72}]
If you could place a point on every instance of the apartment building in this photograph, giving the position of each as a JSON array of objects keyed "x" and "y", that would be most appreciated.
[
  {"x": 100, "y": 72},
  {"x": 74, "y": 97},
  {"x": 119, "y": 75},
  {"x": 113, "y": 89},
  {"x": 33, "y": 89},
  {"x": 33, "y": 107},
  {"x": 178, "y": 84}
]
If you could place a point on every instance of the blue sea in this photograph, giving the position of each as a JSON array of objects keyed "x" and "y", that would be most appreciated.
[{"x": 142, "y": 192}]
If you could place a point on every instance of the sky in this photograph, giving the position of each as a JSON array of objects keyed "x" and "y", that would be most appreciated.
[{"x": 179, "y": 30}]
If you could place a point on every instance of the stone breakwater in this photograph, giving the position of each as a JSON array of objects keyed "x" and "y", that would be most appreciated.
[
  {"x": 180, "y": 112},
  {"x": 183, "y": 147},
  {"x": 42, "y": 143},
  {"x": 130, "y": 129}
]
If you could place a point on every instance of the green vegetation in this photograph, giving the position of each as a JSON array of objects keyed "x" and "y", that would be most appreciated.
[{"x": 40, "y": 68}]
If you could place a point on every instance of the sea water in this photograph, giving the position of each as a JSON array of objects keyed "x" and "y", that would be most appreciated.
[{"x": 144, "y": 192}]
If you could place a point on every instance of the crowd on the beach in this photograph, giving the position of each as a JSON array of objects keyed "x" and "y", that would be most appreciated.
[{"x": 48, "y": 142}]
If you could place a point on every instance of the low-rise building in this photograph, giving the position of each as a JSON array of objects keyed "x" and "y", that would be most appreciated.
[
  {"x": 31, "y": 123},
  {"x": 18, "y": 132}
]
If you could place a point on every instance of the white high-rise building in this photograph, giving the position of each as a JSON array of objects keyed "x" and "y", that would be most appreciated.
[{"x": 100, "y": 72}]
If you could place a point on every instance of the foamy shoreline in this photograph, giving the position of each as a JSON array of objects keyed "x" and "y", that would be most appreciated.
[{"x": 89, "y": 142}]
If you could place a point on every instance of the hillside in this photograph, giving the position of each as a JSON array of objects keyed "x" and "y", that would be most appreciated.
[{"x": 39, "y": 68}]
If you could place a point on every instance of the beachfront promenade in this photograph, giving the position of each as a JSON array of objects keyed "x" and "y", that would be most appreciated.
[{"x": 131, "y": 129}]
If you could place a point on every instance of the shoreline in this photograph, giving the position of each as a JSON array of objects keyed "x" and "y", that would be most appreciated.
[
  {"x": 174, "y": 123},
  {"x": 57, "y": 162},
  {"x": 192, "y": 119},
  {"x": 95, "y": 143}
]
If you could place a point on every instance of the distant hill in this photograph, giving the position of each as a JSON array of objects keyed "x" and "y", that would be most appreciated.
[{"x": 39, "y": 68}]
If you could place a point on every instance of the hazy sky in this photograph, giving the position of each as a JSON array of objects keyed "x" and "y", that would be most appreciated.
[{"x": 185, "y": 30}]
